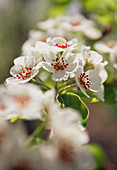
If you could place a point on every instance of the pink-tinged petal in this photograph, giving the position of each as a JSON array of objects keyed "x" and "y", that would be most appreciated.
[
  {"x": 102, "y": 47},
  {"x": 19, "y": 60},
  {"x": 16, "y": 69},
  {"x": 47, "y": 67}
]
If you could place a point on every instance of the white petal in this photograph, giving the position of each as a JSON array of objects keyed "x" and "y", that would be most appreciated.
[
  {"x": 71, "y": 68},
  {"x": 94, "y": 77},
  {"x": 59, "y": 40},
  {"x": 94, "y": 57},
  {"x": 29, "y": 61},
  {"x": 59, "y": 75},
  {"x": 95, "y": 88},
  {"x": 47, "y": 67},
  {"x": 49, "y": 56},
  {"x": 12, "y": 80},
  {"x": 42, "y": 46},
  {"x": 19, "y": 60},
  {"x": 71, "y": 58},
  {"x": 16, "y": 69},
  {"x": 102, "y": 47}
]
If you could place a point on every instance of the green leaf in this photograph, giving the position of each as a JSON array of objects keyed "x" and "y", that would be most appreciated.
[
  {"x": 110, "y": 93},
  {"x": 99, "y": 156},
  {"x": 92, "y": 99},
  {"x": 74, "y": 101}
]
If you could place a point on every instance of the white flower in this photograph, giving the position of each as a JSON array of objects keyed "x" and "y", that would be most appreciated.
[
  {"x": 89, "y": 58},
  {"x": 34, "y": 36},
  {"x": 66, "y": 150},
  {"x": 38, "y": 51},
  {"x": 27, "y": 100},
  {"x": 106, "y": 47},
  {"x": 88, "y": 80},
  {"x": 6, "y": 104},
  {"x": 23, "y": 70},
  {"x": 60, "y": 67},
  {"x": 17, "y": 157},
  {"x": 79, "y": 23},
  {"x": 60, "y": 44},
  {"x": 48, "y": 24}
]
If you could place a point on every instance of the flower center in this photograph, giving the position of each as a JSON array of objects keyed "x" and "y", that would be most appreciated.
[
  {"x": 111, "y": 45},
  {"x": 59, "y": 64},
  {"x": 2, "y": 108},
  {"x": 67, "y": 152},
  {"x": 62, "y": 45},
  {"x": 22, "y": 100},
  {"x": 26, "y": 73},
  {"x": 84, "y": 80},
  {"x": 75, "y": 23}
]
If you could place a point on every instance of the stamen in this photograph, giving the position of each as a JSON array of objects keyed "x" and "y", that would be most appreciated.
[
  {"x": 75, "y": 23},
  {"x": 62, "y": 45},
  {"x": 84, "y": 80},
  {"x": 26, "y": 73},
  {"x": 59, "y": 64}
]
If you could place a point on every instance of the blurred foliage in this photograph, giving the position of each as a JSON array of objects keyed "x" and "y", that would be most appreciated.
[{"x": 104, "y": 12}]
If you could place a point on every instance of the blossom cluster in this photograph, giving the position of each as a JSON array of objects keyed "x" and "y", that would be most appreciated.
[{"x": 54, "y": 69}]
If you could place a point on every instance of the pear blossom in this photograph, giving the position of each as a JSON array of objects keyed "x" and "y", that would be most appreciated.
[
  {"x": 60, "y": 67},
  {"x": 6, "y": 104},
  {"x": 17, "y": 157},
  {"x": 61, "y": 44},
  {"x": 23, "y": 70},
  {"x": 49, "y": 23},
  {"x": 79, "y": 23},
  {"x": 66, "y": 150},
  {"x": 88, "y": 80},
  {"x": 27, "y": 100},
  {"x": 34, "y": 36},
  {"x": 89, "y": 57},
  {"x": 106, "y": 47}
]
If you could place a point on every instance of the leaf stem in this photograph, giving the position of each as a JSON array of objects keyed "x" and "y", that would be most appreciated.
[{"x": 41, "y": 84}]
